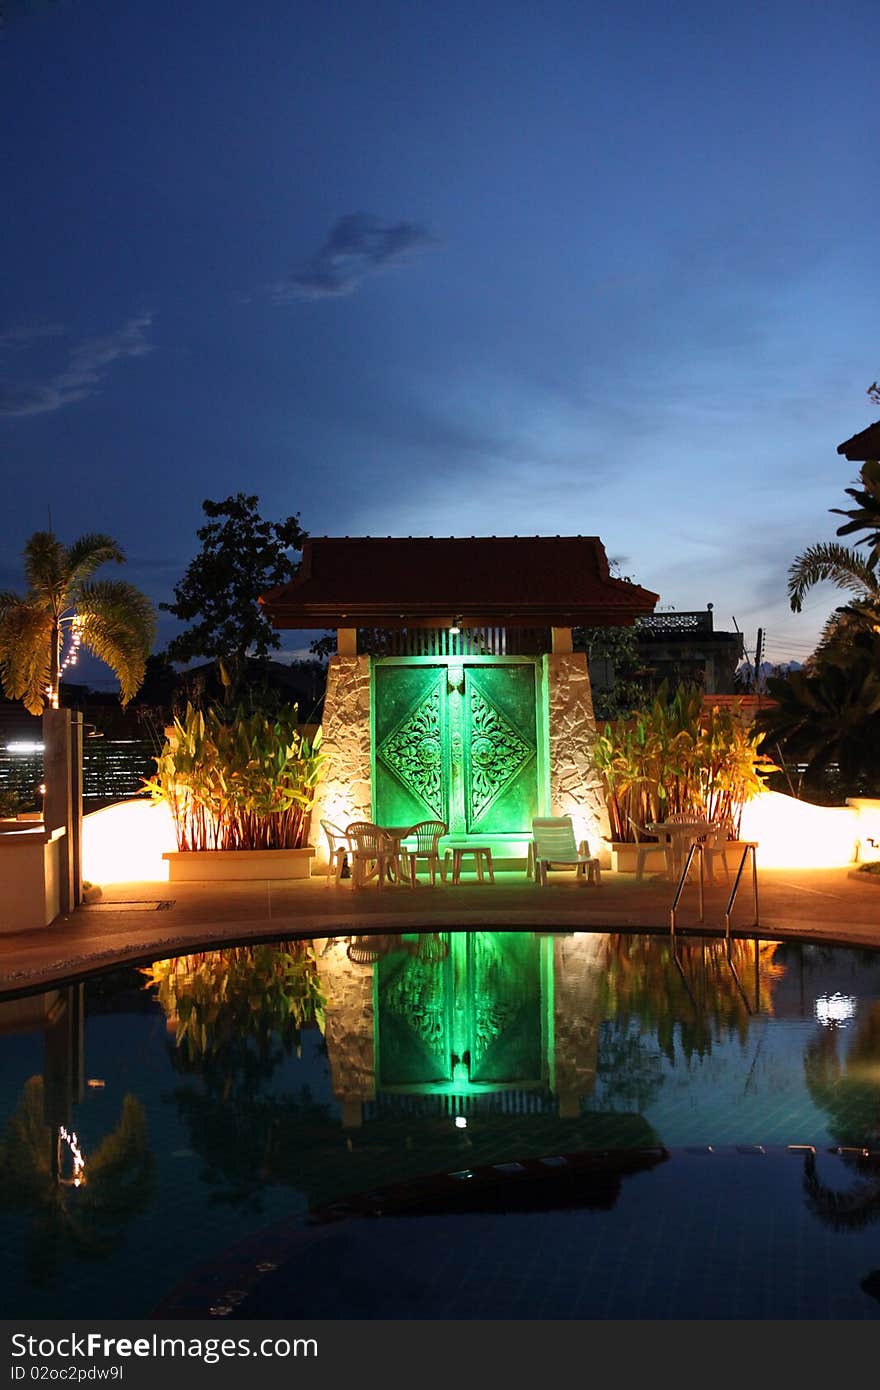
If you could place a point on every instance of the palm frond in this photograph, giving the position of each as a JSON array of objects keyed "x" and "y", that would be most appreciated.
[
  {"x": 25, "y": 653},
  {"x": 843, "y": 626},
  {"x": 117, "y": 623},
  {"x": 88, "y": 554},
  {"x": 45, "y": 566},
  {"x": 839, "y": 564}
]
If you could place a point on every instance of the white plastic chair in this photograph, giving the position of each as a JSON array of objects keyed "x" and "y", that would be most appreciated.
[
  {"x": 554, "y": 847},
  {"x": 372, "y": 852},
  {"x": 427, "y": 835},
  {"x": 338, "y": 849},
  {"x": 715, "y": 846}
]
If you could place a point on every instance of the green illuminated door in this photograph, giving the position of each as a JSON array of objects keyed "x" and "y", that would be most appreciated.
[
  {"x": 412, "y": 744},
  {"x": 456, "y": 742},
  {"x": 499, "y": 761}
]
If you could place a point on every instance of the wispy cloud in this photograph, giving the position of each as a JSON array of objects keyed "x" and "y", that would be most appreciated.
[
  {"x": 87, "y": 366},
  {"x": 356, "y": 246}
]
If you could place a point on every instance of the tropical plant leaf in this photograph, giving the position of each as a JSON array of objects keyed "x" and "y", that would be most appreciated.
[
  {"x": 25, "y": 652},
  {"x": 117, "y": 624},
  {"x": 839, "y": 564},
  {"x": 45, "y": 568},
  {"x": 88, "y": 554}
]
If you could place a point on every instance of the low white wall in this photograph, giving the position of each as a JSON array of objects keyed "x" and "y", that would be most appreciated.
[
  {"x": 796, "y": 834},
  {"x": 124, "y": 843}
]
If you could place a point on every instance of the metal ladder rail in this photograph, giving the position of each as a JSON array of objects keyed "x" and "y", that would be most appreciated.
[
  {"x": 695, "y": 848},
  {"x": 748, "y": 849}
]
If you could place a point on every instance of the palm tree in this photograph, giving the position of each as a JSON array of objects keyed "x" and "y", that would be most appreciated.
[
  {"x": 848, "y": 570},
  {"x": 63, "y": 606},
  {"x": 831, "y": 715}
]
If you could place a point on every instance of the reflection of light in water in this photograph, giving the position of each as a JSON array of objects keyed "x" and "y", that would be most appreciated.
[
  {"x": 461, "y": 1122},
  {"x": 835, "y": 1010},
  {"x": 79, "y": 1162}
]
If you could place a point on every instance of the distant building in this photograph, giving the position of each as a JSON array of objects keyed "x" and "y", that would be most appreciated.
[
  {"x": 679, "y": 647},
  {"x": 685, "y": 647}
]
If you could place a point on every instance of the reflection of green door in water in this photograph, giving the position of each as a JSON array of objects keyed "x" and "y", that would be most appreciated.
[
  {"x": 456, "y": 742},
  {"x": 478, "y": 1019}
]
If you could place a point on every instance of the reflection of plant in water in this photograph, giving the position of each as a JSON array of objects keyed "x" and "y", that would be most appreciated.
[
  {"x": 87, "y": 1220},
  {"x": 642, "y": 977},
  {"x": 252, "y": 1142},
  {"x": 239, "y": 1012},
  {"x": 628, "y": 1073},
  {"x": 659, "y": 998},
  {"x": 848, "y": 1090}
]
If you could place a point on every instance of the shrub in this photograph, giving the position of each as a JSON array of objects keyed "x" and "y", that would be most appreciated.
[
  {"x": 678, "y": 756},
  {"x": 242, "y": 783}
]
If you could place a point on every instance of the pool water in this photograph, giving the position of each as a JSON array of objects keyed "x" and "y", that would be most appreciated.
[{"x": 453, "y": 1125}]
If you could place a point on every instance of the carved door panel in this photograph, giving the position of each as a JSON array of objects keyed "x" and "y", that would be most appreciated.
[
  {"x": 411, "y": 744},
  {"x": 456, "y": 742},
  {"x": 499, "y": 745}
]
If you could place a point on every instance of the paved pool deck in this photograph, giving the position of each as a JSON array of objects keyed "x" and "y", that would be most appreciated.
[{"x": 136, "y": 922}]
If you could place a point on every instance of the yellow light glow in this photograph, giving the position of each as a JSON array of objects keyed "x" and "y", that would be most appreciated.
[
  {"x": 125, "y": 843},
  {"x": 794, "y": 834}
]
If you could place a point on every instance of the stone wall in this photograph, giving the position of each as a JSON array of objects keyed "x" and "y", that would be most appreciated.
[
  {"x": 344, "y": 792},
  {"x": 575, "y": 789}
]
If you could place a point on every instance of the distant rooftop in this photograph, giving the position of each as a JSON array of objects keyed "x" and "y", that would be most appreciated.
[
  {"x": 435, "y": 581},
  {"x": 862, "y": 446}
]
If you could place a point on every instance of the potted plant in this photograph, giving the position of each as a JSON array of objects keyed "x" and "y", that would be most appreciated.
[
  {"x": 680, "y": 755},
  {"x": 240, "y": 790}
]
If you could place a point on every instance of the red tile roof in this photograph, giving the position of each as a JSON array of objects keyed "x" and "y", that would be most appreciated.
[
  {"x": 428, "y": 581},
  {"x": 862, "y": 446}
]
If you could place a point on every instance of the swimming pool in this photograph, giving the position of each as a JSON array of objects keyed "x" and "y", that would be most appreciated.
[{"x": 455, "y": 1125}]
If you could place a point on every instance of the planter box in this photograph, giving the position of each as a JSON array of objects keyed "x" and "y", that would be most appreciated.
[
  {"x": 31, "y": 868},
  {"x": 623, "y": 857},
  {"x": 221, "y": 865}
]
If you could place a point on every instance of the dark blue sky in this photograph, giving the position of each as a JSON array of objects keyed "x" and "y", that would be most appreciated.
[{"x": 451, "y": 269}]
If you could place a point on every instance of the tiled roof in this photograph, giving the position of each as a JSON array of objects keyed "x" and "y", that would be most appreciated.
[
  {"x": 429, "y": 581},
  {"x": 862, "y": 446}
]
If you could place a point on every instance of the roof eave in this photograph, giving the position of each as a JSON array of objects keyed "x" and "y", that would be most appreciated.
[{"x": 314, "y": 616}]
